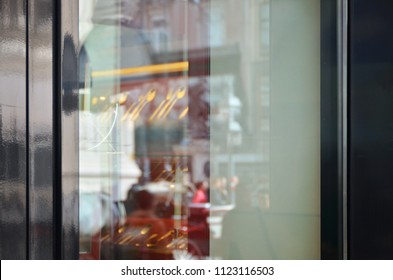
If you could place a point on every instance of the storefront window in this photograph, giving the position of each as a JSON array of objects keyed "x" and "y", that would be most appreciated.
[{"x": 199, "y": 129}]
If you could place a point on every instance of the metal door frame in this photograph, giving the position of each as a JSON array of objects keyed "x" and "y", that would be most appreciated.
[{"x": 53, "y": 140}]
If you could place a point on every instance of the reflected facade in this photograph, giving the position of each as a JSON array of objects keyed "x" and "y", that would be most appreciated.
[{"x": 199, "y": 129}]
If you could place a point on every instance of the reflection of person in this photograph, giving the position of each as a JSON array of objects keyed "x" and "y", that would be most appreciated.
[
  {"x": 263, "y": 199},
  {"x": 130, "y": 203},
  {"x": 244, "y": 232},
  {"x": 200, "y": 193},
  {"x": 219, "y": 193},
  {"x": 143, "y": 230}
]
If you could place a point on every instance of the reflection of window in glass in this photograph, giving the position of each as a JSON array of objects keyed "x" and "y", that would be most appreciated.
[
  {"x": 264, "y": 28},
  {"x": 159, "y": 35},
  {"x": 217, "y": 26},
  {"x": 86, "y": 9}
]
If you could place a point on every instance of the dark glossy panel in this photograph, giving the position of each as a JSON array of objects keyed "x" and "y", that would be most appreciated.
[
  {"x": 330, "y": 192},
  {"x": 12, "y": 130},
  {"x": 40, "y": 107},
  {"x": 68, "y": 123},
  {"x": 371, "y": 153}
]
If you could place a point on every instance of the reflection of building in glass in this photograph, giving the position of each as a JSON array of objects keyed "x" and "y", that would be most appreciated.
[
  {"x": 136, "y": 121},
  {"x": 243, "y": 73},
  {"x": 168, "y": 88}
]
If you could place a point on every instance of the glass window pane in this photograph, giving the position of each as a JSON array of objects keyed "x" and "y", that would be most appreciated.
[{"x": 199, "y": 129}]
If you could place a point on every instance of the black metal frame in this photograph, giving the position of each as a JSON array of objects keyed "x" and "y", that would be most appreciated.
[
  {"x": 52, "y": 128},
  {"x": 40, "y": 113},
  {"x": 66, "y": 183},
  {"x": 331, "y": 135},
  {"x": 39, "y": 175}
]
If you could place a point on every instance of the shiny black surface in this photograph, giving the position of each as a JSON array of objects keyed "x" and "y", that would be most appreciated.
[
  {"x": 331, "y": 230},
  {"x": 40, "y": 128},
  {"x": 67, "y": 131},
  {"x": 13, "y": 130},
  {"x": 371, "y": 112}
]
